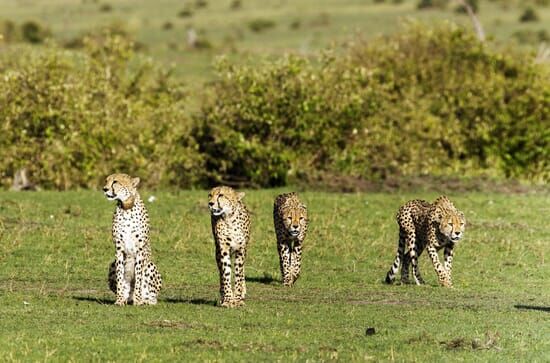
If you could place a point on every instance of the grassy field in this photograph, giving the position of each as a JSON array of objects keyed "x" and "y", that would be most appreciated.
[
  {"x": 303, "y": 26},
  {"x": 55, "y": 249}
]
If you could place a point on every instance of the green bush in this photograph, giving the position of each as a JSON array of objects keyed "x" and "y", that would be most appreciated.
[
  {"x": 425, "y": 101},
  {"x": 259, "y": 25},
  {"x": 530, "y": 14},
  {"x": 431, "y": 4},
  {"x": 29, "y": 31},
  {"x": 71, "y": 118}
]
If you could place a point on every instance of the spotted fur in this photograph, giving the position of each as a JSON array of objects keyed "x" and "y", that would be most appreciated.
[
  {"x": 429, "y": 226},
  {"x": 133, "y": 277},
  {"x": 291, "y": 222},
  {"x": 231, "y": 229}
]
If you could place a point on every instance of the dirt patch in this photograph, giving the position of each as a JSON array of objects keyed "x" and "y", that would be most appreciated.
[
  {"x": 350, "y": 184},
  {"x": 245, "y": 347},
  {"x": 171, "y": 324},
  {"x": 489, "y": 342}
]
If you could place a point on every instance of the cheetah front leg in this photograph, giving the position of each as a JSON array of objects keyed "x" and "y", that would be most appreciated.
[
  {"x": 223, "y": 259},
  {"x": 138, "y": 276},
  {"x": 121, "y": 299},
  {"x": 296, "y": 261},
  {"x": 448, "y": 255},
  {"x": 284, "y": 261},
  {"x": 439, "y": 268},
  {"x": 240, "y": 281}
]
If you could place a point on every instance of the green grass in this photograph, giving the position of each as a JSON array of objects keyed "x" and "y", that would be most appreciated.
[
  {"x": 55, "y": 249},
  {"x": 321, "y": 23}
]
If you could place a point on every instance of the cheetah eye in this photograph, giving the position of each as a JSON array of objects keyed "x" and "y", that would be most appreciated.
[
  {"x": 462, "y": 224},
  {"x": 220, "y": 195},
  {"x": 301, "y": 218},
  {"x": 450, "y": 224}
]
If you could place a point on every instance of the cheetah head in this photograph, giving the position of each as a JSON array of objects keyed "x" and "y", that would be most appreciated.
[
  {"x": 295, "y": 219},
  {"x": 223, "y": 200},
  {"x": 120, "y": 187},
  {"x": 451, "y": 225}
]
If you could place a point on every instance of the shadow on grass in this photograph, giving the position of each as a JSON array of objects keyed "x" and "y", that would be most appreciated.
[
  {"x": 169, "y": 300},
  {"x": 175, "y": 300},
  {"x": 266, "y": 279},
  {"x": 94, "y": 299},
  {"x": 530, "y": 307}
]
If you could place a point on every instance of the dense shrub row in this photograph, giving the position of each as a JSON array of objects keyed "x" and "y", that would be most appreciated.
[
  {"x": 425, "y": 101},
  {"x": 71, "y": 118}
]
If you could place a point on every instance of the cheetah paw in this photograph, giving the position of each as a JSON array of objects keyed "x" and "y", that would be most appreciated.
[{"x": 120, "y": 302}]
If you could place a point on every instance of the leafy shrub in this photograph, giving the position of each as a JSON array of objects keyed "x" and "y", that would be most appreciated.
[
  {"x": 528, "y": 15},
  {"x": 295, "y": 24},
  {"x": 201, "y": 3},
  {"x": 235, "y": 4},
  {"x": 259, "y": 25},
  {"x": 106, "y": 8},
  {"x": 425, "y": 101},
  {"x": 431, "y": 4},
  {"x": 33, "y": 32},
  {"x": 185, "y": 13},
  {"x": 71, "y": 118}
]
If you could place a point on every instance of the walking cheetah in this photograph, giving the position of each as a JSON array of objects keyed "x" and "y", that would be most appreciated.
[
  {"x": 133, "y": 277},
  {"x": 290, "y": 220},
  {"x": 427, "y": 225},
  {"x": 231, "y": 230}
]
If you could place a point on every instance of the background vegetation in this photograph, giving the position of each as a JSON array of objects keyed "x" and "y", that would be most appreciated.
[
  {"x": 79, "y": 101},
  {"x": 55, "y": 250}
]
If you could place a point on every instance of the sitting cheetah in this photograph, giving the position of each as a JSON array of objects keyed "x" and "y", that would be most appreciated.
[
  {"x": 231, "y": 229},
  {"x": 290, "y": 220},
  {"x": 133, "y": 277},
  {"x": 431, "y": 226}
]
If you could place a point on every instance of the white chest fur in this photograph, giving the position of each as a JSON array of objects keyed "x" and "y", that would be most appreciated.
[{"x": 128, "y": 232}]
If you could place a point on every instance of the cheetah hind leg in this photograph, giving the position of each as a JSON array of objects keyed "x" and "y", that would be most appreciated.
[
  {"x": 405, "y": 272},
  {"x": 152, "y": 282},
  {"x": 390, "y": 276},
  {"x": 112, "y": 277}
]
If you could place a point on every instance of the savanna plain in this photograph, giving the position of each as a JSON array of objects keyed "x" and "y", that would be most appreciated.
[{"x": 56, "y": 247}]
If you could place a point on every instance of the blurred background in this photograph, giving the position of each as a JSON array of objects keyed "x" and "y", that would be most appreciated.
[{"x": 344, "y": 95}]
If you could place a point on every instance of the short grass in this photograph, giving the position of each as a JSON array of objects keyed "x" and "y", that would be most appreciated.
[
  {"x": 301, "y": 26},
  {"x": 55, "y": 305}
]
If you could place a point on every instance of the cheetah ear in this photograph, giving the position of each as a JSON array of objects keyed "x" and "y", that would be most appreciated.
[
  {"x": 135, "y": 182},
  {"x": 240, "y": 195}
]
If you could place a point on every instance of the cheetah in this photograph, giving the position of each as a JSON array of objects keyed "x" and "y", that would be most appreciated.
[
  {"x": 231, "y": 229},
  {"x": 290, "y": 220},
  {"x": 133, "y": 277},
  {"x": 431, "y": 226}
]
